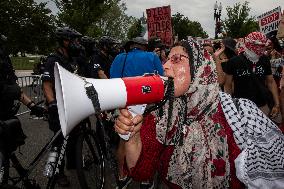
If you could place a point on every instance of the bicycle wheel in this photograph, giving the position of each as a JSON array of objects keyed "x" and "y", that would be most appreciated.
[{"x": 89, "y": 161}]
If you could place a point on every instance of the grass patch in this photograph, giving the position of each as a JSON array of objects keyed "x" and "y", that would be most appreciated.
[{"x": 24, "y": 63}]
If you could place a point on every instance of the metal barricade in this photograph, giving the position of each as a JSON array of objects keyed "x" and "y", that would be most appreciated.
[{"x": 32, "y": 87}]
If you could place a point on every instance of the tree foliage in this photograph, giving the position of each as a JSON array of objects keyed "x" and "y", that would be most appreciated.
[
  {"x": 26, "y": 24},
  {"x": 183, "y": 27},
  {"x": 239, "y": 23},
  {"x": 115, "y": 22},
  {"x": 95, "y": 17},
  {"x": 135, "y": 30},
  {"x": 80, "y": 15}
]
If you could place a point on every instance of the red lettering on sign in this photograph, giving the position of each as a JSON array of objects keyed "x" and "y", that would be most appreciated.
[{"x": 269, "y": 19}]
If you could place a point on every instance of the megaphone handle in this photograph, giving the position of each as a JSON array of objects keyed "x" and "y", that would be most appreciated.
[{"x": 134, "y": 110}]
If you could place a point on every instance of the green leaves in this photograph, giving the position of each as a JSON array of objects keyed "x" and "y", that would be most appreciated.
[
  {"x": 26, "y": 24},
  {"x": 183, "y": 27},
  {"x": 239, "y": 23},
  {"x": 95, "y": 17}
]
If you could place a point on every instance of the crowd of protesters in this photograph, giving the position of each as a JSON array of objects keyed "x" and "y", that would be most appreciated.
[{"x": 223, "y": 113}]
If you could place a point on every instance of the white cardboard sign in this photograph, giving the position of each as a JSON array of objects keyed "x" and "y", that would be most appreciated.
[{"x": 270, "y": 20}]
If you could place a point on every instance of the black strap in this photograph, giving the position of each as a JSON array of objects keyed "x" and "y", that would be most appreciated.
[
  {"x": 123, "y": 66},
  {"x": 92, "y": 95}
]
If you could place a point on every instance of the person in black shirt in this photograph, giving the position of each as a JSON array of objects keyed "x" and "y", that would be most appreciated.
[
  {"x": 251, "y": 72},
  {"x": 9, "y": 89},
  {"x": 226, "y": 51},
  {"x": 92, "y": 68},
  {"x": 69, "y": 48},
  {"x": 101, "y": 59},
  {"x": 11, "y": 133}
]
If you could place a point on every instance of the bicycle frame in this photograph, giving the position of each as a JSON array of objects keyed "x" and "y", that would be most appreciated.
[
  {"x": 25, "y": 172},
  {"x": 104, "y": 141}
]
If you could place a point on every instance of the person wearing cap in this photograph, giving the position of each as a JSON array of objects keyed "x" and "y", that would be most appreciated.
[
  {"x": 136, "y": 61},
  {"x": 222, "y": 55},
  {"x": 68, "y": 48},
  {"x": 252, "y": 75},
  {"x": 155, "y": 45}
]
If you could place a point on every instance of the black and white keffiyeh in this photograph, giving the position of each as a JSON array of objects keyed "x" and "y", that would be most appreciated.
[{"x": 261, "y": 163}]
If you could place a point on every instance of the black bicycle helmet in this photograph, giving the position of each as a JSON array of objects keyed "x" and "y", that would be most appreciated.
[
  {"x": 107, "y": 41},
  {"x": 89, "y": 44},
  {"x": 86, "y": 41},
  {"x": 67, "y": 33}
]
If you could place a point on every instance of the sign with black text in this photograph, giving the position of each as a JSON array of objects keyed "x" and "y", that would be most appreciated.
[
  {"x": 160, "y": 24},
  {"x": 269, "y": 21}
]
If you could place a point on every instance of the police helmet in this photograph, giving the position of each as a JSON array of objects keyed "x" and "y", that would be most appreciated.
[
  {"x": 107, "y": 41},
  {"x": 89, "y": 44},
  {"x": 67, "y": 33},
  {"x": 86, "y": 40}
]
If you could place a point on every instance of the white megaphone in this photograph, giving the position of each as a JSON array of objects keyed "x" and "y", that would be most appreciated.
[{"x": 74, "y": 104}]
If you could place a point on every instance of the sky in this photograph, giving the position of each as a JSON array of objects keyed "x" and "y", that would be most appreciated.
[{"x": 196, "y": 10}]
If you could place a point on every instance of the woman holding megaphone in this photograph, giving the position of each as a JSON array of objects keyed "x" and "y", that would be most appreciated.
[{"x": 195, "y": 137}]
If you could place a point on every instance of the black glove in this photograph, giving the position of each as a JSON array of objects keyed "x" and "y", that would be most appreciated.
[
  {"x": 52, "y": 109},
  {"x": 53, "y": 117},
  {"x": 37, "y": 110}
]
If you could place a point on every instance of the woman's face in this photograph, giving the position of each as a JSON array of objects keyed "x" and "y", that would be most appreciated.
[{"x": 177, "y": 67}]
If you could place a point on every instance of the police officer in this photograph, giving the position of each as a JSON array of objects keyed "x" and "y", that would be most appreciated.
[
  {"x": 101, "y": 59},
  {"x": 68, "y": 48},
  {"x": 10, "y": 92},
  {"x": 84, "y": 60},
  {"x": 9, "y": 89}
]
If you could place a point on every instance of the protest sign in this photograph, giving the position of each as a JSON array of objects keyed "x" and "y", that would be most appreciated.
[
  {"x": 269, "y": 21},
  {"x": 159, "y": 24}
]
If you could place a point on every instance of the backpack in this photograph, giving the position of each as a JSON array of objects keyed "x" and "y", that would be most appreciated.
[{"x": 11, "y": 135}]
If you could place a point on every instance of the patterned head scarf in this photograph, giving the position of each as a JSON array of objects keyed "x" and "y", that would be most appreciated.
[
  {"x": 186, "y": 122},
  {"x": 255, "y": 42}
]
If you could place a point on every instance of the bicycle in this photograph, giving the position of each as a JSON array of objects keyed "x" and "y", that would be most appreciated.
[
  {"x": 22, "y": 179},
  {"x": 94, "y": 162}
]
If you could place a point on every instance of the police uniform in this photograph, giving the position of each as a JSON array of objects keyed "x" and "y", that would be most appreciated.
[
  {"x": 48, "y": 75},
  {"x": 11, "y": 133},
  {"x": 98, "y": 61},
  {"x": 54, "y": 123},
  {"x": 9, "y": 89}
]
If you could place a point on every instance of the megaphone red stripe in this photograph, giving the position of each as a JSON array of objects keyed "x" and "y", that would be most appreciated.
[{"x": 141, "y": 90}]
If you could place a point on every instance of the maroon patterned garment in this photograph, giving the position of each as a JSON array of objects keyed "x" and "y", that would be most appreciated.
[{"x": 187, "y": 140}]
